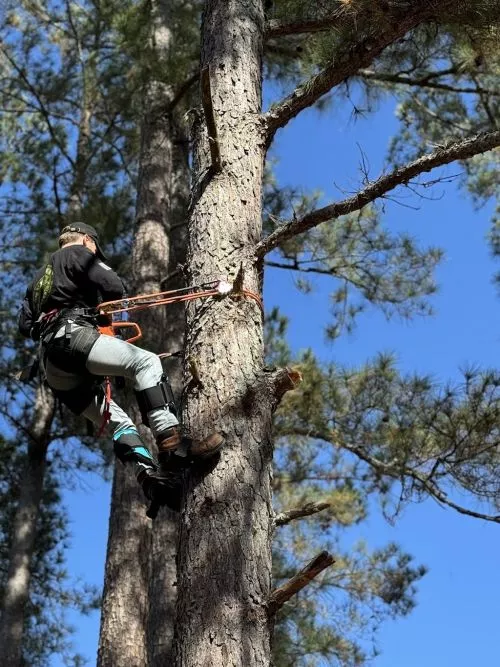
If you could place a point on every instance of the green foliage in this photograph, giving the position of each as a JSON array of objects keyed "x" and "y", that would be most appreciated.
[{"x": 52, "y": 588}]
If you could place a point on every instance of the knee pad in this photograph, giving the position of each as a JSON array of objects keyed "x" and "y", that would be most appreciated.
[
  {"x": 152, "y": 398},
  {"x": 129, "y": 448}
]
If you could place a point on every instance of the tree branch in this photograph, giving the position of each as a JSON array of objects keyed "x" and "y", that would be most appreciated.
[
  {"x": 348, "y": 62},
  {"x": 284, "y": 518},
  {"x": 456, "y": 150},
  {"x": 282, "y": 594},
  {"x": 423, "y": 82},
  {"x": 396, "y": 470},
  {"x": 277, "y": 28}
]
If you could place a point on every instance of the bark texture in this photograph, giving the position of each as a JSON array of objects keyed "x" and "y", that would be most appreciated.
[
  {"x": 140, "y": 570},
  {"x": 225, "y": 530},
  {"x": 163, "y": 584},
  {"x": 24, "y": 533}
]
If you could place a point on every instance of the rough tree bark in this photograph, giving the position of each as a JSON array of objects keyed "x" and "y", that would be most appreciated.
[
  {"x": 163, "y": 589},
  {"x": 225, "y": 529},
  {"x": 140, "y": 571},
  {"x": 24, "y": 532}
]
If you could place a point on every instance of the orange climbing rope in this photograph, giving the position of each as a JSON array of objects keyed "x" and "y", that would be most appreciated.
[{"x": 217, "y": 288}]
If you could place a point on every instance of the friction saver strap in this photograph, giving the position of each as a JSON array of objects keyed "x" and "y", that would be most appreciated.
[{"x": 159, "y": 396}]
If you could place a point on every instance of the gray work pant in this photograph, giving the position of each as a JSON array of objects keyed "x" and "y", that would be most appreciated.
[{"x": 114, "y": 357}]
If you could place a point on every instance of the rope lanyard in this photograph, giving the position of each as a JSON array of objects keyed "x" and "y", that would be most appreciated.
[
  {"x": 217, "y": 288},
  {"x": 202, "y": 291}
]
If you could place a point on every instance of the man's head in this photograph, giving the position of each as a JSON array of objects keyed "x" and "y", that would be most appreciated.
[{"x": 80, "y": 233}]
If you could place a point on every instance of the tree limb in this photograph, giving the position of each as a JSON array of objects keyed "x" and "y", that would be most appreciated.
[
  {"x": 456, "y": 150},
  {"x": 284, "y": 518},
  {"x": 396, "y": 470},
  {"x": 424, "y": 82},
  {"x": 349, "y": 61},
  {"x": 282, "y": 594},
  {"x": 277, "y": 28}
]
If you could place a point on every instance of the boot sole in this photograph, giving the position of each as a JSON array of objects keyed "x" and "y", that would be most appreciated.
[{"x": 214, "y": 443}]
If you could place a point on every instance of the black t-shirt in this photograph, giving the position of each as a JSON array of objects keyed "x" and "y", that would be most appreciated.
[{"x": 80, "y": 280}]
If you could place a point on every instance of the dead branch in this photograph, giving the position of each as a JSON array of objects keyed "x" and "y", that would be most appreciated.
[
  {"x": 284, "y": 518},
  {"x": 299, "y": 581},
  {"x": 348, "y": 62},
  {"x": 208, "y": 109},
  {"x": 456, "y": 150}
]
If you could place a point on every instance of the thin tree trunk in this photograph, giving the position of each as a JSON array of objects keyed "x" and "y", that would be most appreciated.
[
  {"x": 126, "y": 637},
  {"x": 162, "y": 592},
  {"x": 225, "y": 530},
  {"x": 24, "y": 533}
]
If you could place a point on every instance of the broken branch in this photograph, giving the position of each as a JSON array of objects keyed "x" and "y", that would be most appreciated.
[
  {"x": 284, "y": 518},
  {"x": 299, "y": 581},
  {"x": 208, "y": 109},
  {"x": 283, "y": 380},
  {"x": 456, "y": 150}
]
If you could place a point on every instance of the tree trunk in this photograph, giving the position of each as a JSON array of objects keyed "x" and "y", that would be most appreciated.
[
  {"x": 225, "y": 530},
  {"x": 140, "y": 574},
  {"x": 24, "y": 533},
  {"x": 162, "y": 593}
]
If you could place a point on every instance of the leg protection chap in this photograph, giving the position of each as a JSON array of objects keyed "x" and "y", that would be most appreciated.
[
  {"x": 152, "y": 398},
  {"x": 129, "y": 448}
]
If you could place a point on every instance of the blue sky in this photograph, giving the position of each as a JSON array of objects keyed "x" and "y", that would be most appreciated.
[{"x": 459, "y": 600}]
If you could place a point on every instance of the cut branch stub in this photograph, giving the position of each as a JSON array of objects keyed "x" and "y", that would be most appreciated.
[
  {"x": 208, "y": 109},
  {"x": 283, "y": 380},
  {"x": 284, "y": 518},
  {"x": 299, "y": 581}
]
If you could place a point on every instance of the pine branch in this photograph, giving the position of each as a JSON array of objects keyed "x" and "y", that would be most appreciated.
[
  {"x": 277, "y": 28},
  {"x": 396, "y": 470},
  {"x": 299, "y": 581},
  {"x": 346, "y": 63},
  {"x": 456, "y": 150},
  {"x": 424, "y": 82},
  {"x": 284, "y": 518}
]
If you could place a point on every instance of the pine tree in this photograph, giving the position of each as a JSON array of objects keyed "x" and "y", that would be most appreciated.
[{"x": 226, "y": 606}]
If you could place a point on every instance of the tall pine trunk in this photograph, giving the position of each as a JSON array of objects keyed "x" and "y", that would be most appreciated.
[
  {"x": 225, "y": 530},
  {"x": 24, "y": 532},
  {"x": 126, "y": 636},
  {"x": 163, "y": 584}
]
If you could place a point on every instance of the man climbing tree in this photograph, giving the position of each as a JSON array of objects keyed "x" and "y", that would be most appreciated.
[{"x": 60, "y": 310}]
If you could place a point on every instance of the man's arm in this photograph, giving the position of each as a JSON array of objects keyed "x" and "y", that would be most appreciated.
[{"x": 106, "y": 280}]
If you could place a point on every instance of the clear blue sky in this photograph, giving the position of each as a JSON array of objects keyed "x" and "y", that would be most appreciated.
[{"x": 455, "y": 622}]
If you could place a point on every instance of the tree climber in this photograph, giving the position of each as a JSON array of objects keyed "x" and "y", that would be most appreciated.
[{"x": 59, "y": 310}]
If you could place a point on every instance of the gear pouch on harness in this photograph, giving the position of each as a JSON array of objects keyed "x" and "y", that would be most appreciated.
[{"x": 70, "y": 351}]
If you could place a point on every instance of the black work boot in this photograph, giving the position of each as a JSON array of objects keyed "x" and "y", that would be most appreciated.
[{"x": 161, "y": 488}]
